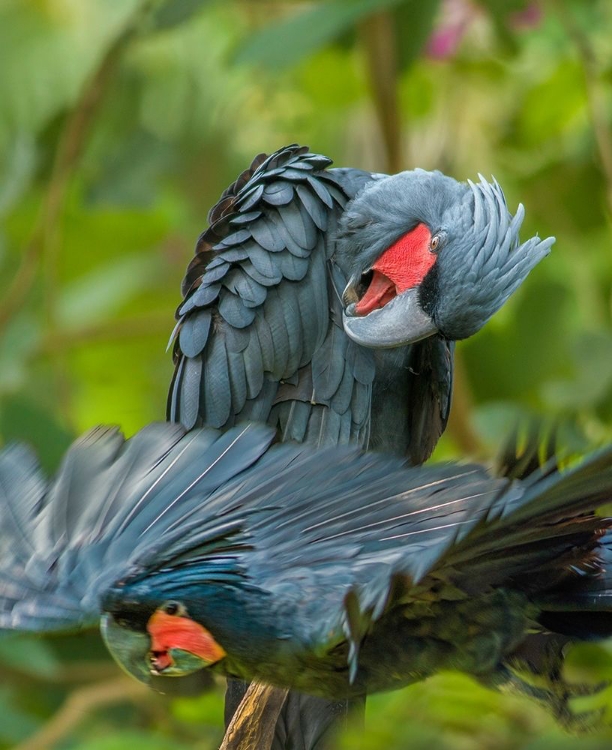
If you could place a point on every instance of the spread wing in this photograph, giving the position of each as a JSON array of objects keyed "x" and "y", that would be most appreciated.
[
  {"x": 336, "y": 536},
  {"x": 372, "y": 537},
  {"x": 119, "y": 510},
  {"x": 259, "y": 335},
  {"x": 113, "y": 504}
]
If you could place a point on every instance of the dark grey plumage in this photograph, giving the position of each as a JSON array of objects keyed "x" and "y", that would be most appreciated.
[
  {"x": 262, "y": 283},
  {"x": 304, "y": 574},
  {"x": 389, "y": 207},
  {"x": 269, "y": 274},
  {"x": 112, "y": 509},
  {"x": 267, "y": 279}
]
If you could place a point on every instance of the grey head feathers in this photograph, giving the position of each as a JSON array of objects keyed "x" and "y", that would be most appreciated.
[
  {"x": 478, "y": 272},
  {"x": 389, "y": 207},
  {"x": 480, "y": 262}
]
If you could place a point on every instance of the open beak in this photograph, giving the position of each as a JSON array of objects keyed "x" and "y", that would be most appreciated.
[
  {"x": 401, "y": 321},
  {"x": 175, "y": 663},
  {"x": 132, "y": 652},
  {"x": 137, "y": 654}
]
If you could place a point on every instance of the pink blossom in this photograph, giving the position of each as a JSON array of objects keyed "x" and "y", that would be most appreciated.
[
  {"x": 455, "y": 18},
  {"x": 457, "y": 15},
  {"x": 527, "y": 18}
]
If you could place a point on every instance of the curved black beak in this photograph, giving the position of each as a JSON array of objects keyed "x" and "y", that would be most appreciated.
[
  {"x": 128, "y": 648},
  {"x": 401, "y": 321}
]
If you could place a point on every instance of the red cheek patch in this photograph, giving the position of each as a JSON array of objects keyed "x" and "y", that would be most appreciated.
[
  {"x": 403, "y": 266},
  {"x": 175, "y": 631}
]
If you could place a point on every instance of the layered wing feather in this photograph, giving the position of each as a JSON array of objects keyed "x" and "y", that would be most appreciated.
[
  {"x": 372, "y": 536},
  {"x": 260, "y": 333},
  {"x": 336, "y": 537},
  {"x": 256, "y": 338},
  {"x": 113, "y": 507}
]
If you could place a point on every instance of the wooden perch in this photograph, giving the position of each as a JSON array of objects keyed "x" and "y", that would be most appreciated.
[{"x": 252, "y": 726}]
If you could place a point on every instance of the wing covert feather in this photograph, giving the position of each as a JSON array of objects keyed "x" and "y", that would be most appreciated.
[
  {"x": 113, "y": 507},
  {"x": 267, "y": 280}
]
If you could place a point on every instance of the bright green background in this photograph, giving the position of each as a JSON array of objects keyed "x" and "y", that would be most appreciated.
[{"x": 120, "y": 123}]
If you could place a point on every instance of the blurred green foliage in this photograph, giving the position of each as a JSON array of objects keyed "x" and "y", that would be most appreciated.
[{"x": 120, "y": 123}]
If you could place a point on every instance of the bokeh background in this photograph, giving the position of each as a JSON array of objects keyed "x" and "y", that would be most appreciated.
[{"x": 120, "y": 123}]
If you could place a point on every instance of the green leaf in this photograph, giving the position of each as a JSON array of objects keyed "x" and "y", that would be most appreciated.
[
  {"x": 592, "y": 354},
  {"x": 132, "y": 740},
  {"x": 501, "y": 12},
  {"x": 95, "y": 295},
  {"x": 16, "y": 724},
  {"x": 29, "y": 655},
  {"x": 329, "y": 78},
  {"x": 24, "y": 420},
  {"x": 17, "y": 345},
  {"x": 554, "y": 106},
  {"x": 496, "y": 419},
  {"x": 47, "y": 54},
  {"x": 174, "y": 12},
  {"x": 203, "y": 709},
  {"x": 287, "y": 42},
  {"x": 414, "y": 22},
  {"x": 524, "y": 344}
]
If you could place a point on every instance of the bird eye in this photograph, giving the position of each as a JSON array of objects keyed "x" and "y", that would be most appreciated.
[
  {"x": 174, "y": 608},
  {"x": 434, "y": 243}
]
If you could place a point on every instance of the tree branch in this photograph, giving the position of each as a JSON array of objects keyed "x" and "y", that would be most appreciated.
[
  {"x": 79, "y": 704},
  {"x": 380, "y": 42},
  {"x": 252, "y": 726}
]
